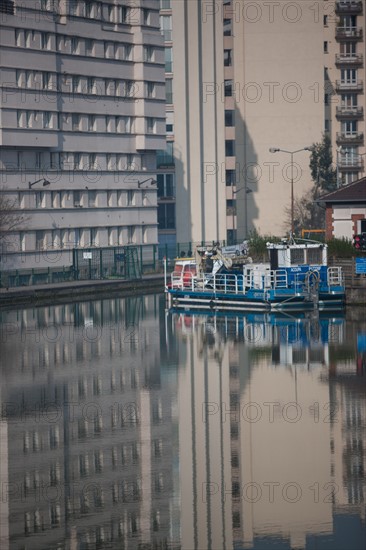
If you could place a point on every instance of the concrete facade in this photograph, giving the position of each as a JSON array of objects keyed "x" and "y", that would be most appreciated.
[
  {"x": 246, "y": 77},
  {"x": 82, "y": 115}
]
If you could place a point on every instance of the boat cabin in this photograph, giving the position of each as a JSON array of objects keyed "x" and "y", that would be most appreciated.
[{"x": 282, "y": 255}]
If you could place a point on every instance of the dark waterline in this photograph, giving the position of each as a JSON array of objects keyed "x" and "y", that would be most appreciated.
[{"x": 124, "y": 426}]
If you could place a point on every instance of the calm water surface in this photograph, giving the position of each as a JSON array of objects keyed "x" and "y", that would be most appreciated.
[{"x": 123, "y": 426}]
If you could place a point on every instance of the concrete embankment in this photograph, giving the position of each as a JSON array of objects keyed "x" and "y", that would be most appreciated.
[
  {"x": 78, "y": 290},
  {"x": 83, "y": 290}
]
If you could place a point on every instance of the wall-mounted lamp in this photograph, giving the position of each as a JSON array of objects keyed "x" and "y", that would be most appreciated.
[
  {"x": 45, "y": 182},
  {"x": 153, "y": 182}
]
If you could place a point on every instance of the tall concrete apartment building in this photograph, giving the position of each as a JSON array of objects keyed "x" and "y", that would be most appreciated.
[
  {"x": 82, "y": 115},
  {"x": 344, "y": 49},
  {"x": 245, "y": 77}
]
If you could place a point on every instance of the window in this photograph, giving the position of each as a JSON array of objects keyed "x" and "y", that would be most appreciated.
[
  {"x": 165, "y": 4},
  {"x": 229, "y": 118},
  {"x": 325, "y": 20},
  {"x": 166, "y": 158},
  {"x": 227, "y": 27},
  {"x": 111, "y": 87},
  {"x": 149, "y": 54},
  {"x": 124, "y": 124},
  {"x": 89, "y": 47},
  {"x": 349, "y": 127},
  {"x": 45, "y": 41},
  {"x": 348, "y": 21},
  {"x": 29, "y": 37},
  {"x": 92, "y": 199},
  {"x": 168, "y": 60},
  {"x": 123, "y": 14},
  {"x": 130, "y": 234},
  {"x": 166, "y": 188},
  {"x": 76, "y": 84},
  {"x": 229, "y": 147},
  {"x": 109, "y": 50},
  {"x": 76, "y": 161},
  {"x": 349, "y": 100},
  {"x": 110, "y": 163},
  {"x": 75, "y": 122},
  {"x": 92, "y": 161},
  {"x": 348, "y": 49},
  {"x": 21, "y": 119},
  {"x": 92, "y": 126},
  {"x": 325, "y": 46},
  {"x": 126, "y": 52},
  {"x": 227, "y": 58},
  {"x": 166, "y": 215},
  {"x": 91, "y": 85},
  {"x": 54, "y": 161},
  {"x": 228, "y": 88},
  {"x": 40, "y": 199},
  {"x": 110, "y": 10},
  {"x": 19, "y": 37},
  {"x": 40, "y": 237},
  {"x": 130, "y": 162},
  {"x": 146, "y": 15},
  {"x": 166, "y": 27},
  {"x": 231, "y": 207},
  {"x": 230, "y": 177},
  {"x": 47, "y": 119},
  {"x": 169, "y": 91},
  {"x": 130, "y": 88},
  {"x": 75, "y": 45},
  {"x": 150, "y": 125},
  {"x": 130, "y": 198},
  {"x": 349, "y": 76},
  {"x": 46, "y": 81},
  {"x": 76, "y": 198},
  {"x": 150, "y": 89}
]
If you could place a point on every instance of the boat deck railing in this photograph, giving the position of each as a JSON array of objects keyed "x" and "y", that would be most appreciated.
[
  {"x": 230, "y": 283},
  {"x": 335, "y": 276},
  {"x": 240, "y": 283}
]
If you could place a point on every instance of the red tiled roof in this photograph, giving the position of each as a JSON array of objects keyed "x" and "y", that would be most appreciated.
[{"x": 353, "y": 192}]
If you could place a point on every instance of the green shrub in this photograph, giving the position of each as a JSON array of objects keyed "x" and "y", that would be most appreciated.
[
  {"x": 257, "y": 245},
  {"x": 341, "y": 248}
]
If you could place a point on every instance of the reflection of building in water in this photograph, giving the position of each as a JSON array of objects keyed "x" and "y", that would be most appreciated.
[
  {"x": 90, "y": 436},
  {"x": 347, "y": 391},
  {"x": 256, "y": 431}
]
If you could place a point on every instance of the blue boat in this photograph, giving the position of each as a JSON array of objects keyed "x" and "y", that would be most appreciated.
[{"x": 296, "y": 278}]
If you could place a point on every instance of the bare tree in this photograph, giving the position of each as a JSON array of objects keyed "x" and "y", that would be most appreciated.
[
  {"x": 308, "y": 214},
  {"x": 11, "y": 217}
]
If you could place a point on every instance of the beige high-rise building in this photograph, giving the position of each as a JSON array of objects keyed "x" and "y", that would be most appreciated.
[
  {"x": 246, "y": 77},
  {"x": 344, "y": 49},
  {"x": 82, "y": 115}
]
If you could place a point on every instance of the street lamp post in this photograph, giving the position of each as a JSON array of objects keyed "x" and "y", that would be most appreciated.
[
  {"x": 292, "y": 153},
  {"x": 153, "y": 182},
  {"x": 45, "y": 182}
]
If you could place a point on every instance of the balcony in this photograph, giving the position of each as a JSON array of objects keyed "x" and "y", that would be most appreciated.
[
  {"x": 348, "y": 138},
  {"x": 345, "y": 111},
  {"x": 349, "y": 86},
  {"x": 348, "y": 33},
  {"x": 350, "y": 162},
  {"x": 352, "y": 60},
  {"x": 351, "y": 7}
]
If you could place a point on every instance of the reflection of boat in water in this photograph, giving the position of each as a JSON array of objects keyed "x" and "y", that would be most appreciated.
[
  {"x": 300, "y": 339},
  {"x": 296, "y": 278}
]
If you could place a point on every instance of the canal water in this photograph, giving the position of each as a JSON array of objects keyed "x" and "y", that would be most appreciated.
[{"x": 126, "y": 426}]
